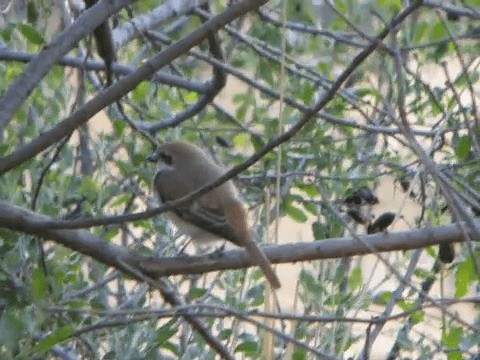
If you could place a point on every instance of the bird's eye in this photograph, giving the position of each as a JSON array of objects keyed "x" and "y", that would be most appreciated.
[{"x": 166, "y": 158}]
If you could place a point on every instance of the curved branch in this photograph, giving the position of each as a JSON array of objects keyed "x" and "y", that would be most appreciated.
[{"x": 214, "y": 87}]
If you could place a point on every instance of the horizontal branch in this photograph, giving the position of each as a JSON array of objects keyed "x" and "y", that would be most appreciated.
[
  {"x": 19, "y": 219},
  {"x": 118, "y": 69},
  {"x": 308, "y": 251}
]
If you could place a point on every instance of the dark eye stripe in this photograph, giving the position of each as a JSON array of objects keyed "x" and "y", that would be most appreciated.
[{"x": 167, "y": 159}]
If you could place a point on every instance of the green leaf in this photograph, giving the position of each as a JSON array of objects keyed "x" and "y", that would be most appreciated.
[
  {"x": 247, "y": 347},
  {"x": 462, "y": 148},
  {"x": 165, "y": 332},
  {"x": 309, "y": 189},
  {"x": 256, "y": 295},
  {"x": 299, "y": 353},
  {"x": 390, "y": 5},
  {"x": 306, "y": 93},
  {"x": 39, "y": 284},
  {"x": 111, "y": 355},
  {"x": 191, "y": 96},
  {"x": 140, "y": 92},
  {"x": 225, "y": 334},
  {"x": 309, "y": 282},
  {"x": 88, "y": 188},
  {"x": 318, "y": 230},
  {"x": 464, "y": 275},
  {"x": 32, "y": 12},
  {"x": 417, "y": 317},
  {"x": 122, "y": 199},
  {"x": 11, "y": 328},
  {"x": 110, "y": 234},
  {"x": 311, "y": 208},
  {"x": 384, "y": 297},
  {"x": 455, "y": 355},
  {"x": 53, "y": 339},
  {"x": 196, "y": 293},
  {"x": 265, "y": 72},
  {"x": 419, "y": 34},
  {"x": 355, "y": 280},
  {"x": 437, "y": 31},
  {"x": 295, "y": 213},
  {"x": 363, "y": 92},
  {"x": 118, "y": 126},
  {"x": 451, "y": 339},
  {"x": 6, "y": 32},
  {"x": 31, "y": 34}
]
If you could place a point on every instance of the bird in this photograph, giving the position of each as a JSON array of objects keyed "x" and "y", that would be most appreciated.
[
  {"x": 220, "y": 214},
  {"x": 381, "y": 223}
]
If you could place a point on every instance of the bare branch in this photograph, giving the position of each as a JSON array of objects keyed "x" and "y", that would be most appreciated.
[
  {"x": 118, "y": 69},
  {"x": 167, "y": 11}
]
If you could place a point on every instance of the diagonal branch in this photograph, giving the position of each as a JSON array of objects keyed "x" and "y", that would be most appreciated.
[{"x": 161, "y": 14}]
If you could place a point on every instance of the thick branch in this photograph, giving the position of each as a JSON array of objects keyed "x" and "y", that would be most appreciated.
[
  {"x": 19, "y": 219},
  {"x": 308, "y": 251}
]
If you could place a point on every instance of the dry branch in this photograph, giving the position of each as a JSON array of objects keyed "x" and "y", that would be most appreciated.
[{"x": 19, "y": 219}]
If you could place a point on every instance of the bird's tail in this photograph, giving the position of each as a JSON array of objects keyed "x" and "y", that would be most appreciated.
[{"x": 236, "y": 216}]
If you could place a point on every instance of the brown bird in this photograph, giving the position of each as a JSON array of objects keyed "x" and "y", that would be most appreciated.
[{"x": 219, "y": 214}]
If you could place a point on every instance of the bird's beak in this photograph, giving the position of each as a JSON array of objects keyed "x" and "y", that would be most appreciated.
[{"x": 153, "y": 157}]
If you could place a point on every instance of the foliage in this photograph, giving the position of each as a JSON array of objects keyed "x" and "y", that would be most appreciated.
[{"x": 55, "y": 301}]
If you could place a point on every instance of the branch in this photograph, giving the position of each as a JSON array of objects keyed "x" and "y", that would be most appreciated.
[
  {"x": 64, "y": 42},
  {"x": 18, "y": 219},
  {"x": 165, "y": 12},
  {"x": 344, "y": 37},
  {"x": 214, "y": 87},
  {"x": 118, "y": 69},
  {"x": 124, "y": 85},
  {"x": 453, "y": 10},
  {"x": 308, "y": 251}
]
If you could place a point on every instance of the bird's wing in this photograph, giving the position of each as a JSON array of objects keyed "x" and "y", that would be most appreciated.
[{"x": 211, "y": 220}]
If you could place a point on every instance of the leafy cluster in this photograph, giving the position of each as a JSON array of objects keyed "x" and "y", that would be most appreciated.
[{"x": 403, "y": 120}]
